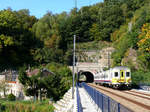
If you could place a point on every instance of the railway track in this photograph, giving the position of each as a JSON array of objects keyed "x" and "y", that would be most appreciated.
[
  {"x": 138, "y": 94},
  {"x": 142, "y": 93},
  {"x": 131, "y": 97}
]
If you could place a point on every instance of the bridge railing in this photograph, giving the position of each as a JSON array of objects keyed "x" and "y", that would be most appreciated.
[
  {"x": 79, "y": 107},
  {"x": 103, "y": 102},
  {"x": 145, "y": 87}
]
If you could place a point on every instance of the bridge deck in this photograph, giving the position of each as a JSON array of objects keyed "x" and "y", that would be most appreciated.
[{"x": 86, "y": 103}]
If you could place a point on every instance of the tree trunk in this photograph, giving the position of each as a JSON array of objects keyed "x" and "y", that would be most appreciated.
[
  {"x": 4, "y": 93},
  {"x": 40, "y": 95}
]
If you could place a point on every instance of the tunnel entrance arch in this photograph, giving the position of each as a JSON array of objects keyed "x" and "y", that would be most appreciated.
[{"x": 86, "y": 76}]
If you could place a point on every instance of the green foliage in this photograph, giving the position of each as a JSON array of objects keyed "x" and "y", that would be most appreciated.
[
  {"x": 25, "y": 106},
  {"x": 60, "y": 82},
  {"x": 125, "y": 39},
  {"x": 135, "y": 4},
  {"x": 94, "y": 45},
  {"x": 28, "y": 41},
  {"x": 119, "y": 33},
  {"x": 5, "y": 41},
  {"x": 16, "y": 39},
  {"x": 68, "y": 58},
  {"x": 53, "y": 85},
  {"x": 110, "y": 20},
  {"x": 140, "y": 77},
  {"x": 48, "y": 55},
  {"x": 11, "y": 97},
  {"x": 144, "y": 46},
  {"x": 26, "y": 19},
  {"x": 23, "y": 78},
  {"x": 122, "y": 47},
  {"x": 94, "y": 32},
  {"x": 2, "y": 107}
]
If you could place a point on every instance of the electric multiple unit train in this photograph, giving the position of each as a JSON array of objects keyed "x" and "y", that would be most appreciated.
[{"x": 114, "y": 77}]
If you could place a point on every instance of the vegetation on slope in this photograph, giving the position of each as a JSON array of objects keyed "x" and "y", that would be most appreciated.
[
  {"x": 28, "y": 41},
  {"x": 134, "y": 36}
]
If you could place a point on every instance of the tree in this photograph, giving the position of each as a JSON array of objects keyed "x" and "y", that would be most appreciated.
[
  {"x": 4, "y": 87},
  {"x": 47, "y": 55},
  {"x": 11, "y": 97},
  {"x": 16, "y": 38},
  {"x": 144, "y": 42},
  {"x": 110, "y": 19},
  {"x": 23, "y": 78},
  {"x": 26, "y": 20},
  {"x": 53, "y": 85},
  {"x": 94, "y": 32},
  {"x": 6, "y": 41},
  {"x": 144, "y": 45}
]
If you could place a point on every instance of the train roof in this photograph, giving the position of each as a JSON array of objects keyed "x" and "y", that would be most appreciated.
[{"x": 121, "y": 67}]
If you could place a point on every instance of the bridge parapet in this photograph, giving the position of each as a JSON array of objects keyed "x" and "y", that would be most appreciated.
[{"x": 85, "y": 64}]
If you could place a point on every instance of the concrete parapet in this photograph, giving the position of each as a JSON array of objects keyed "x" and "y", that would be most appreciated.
[{"x": 66, "y": 104}]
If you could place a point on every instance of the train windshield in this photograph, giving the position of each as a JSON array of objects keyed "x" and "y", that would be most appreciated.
[
  {"x": 127, "y": 74},
  {"x": 116, "y": 74}
]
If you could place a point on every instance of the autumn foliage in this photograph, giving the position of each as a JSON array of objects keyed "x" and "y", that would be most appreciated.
[{"x": 144, "y": 42}]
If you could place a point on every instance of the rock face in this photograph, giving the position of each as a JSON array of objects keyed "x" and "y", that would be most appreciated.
[
  {"x": 130, "y": 58},
  {"x": 106, "y": 60},
  {"x": 94, "y": 60},
  {"x": 96, "y": 56}
]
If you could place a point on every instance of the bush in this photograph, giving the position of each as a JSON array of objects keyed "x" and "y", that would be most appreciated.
[
  {"x": 121, "y": 48},
  {"x": 2, "y": 107},
  {"x": 11, "y": 97},
  {"x": 140, "y": 77},
  {"x": 25, "y": 106}
]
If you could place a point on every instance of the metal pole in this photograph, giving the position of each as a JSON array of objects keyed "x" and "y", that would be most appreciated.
[
  {"x": 73, "y": 66},
  {"x": 108, "y": 60},
  {"x": 76, "y": 4},
  {"x": 73, "y": 77}
]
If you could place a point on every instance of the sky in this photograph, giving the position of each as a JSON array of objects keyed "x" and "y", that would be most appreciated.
[{"x": 40, "y": 7}]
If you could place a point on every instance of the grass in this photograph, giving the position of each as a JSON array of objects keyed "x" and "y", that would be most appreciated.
[{"x": 25, "y": 106}]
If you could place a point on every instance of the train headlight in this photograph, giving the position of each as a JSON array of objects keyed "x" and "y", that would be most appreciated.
[{"x": 129, "y": 81}]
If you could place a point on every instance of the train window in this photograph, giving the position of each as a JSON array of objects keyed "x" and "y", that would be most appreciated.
[
  {"x": 127, "y": 74},
  {"x": 116, "y": 74}
]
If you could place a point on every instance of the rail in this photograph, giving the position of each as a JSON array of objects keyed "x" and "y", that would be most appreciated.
[
  {"x": 79, "y": 106},
  {"x": 105, "y": 103}
]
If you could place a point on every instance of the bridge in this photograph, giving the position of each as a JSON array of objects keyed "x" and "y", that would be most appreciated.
[
  {"x": 90, "y": 99},
  {"x": 94, "y": 98}
]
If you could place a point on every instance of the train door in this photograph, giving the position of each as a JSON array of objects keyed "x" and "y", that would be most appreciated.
[{"x": 122, "y": 75}]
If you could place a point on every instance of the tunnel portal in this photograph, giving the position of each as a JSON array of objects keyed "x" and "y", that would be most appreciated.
[{"x": 86, "y": 76}]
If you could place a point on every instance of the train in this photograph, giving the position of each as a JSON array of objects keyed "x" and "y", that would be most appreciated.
[{"x": 117, "y": 77}]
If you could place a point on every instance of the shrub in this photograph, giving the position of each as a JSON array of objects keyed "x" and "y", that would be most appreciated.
[
  {"x": 11, "y": 97},
  {"x": 140, "y": 77},
  {"x": 2, "y": 107}
]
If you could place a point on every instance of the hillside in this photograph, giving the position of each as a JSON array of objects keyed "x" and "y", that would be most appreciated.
[
  {"x": 28, "y": 42},
  {"x": 131, "y": 41}
]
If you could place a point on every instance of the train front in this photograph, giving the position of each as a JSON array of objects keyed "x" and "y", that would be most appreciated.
[{"x": 121, "y": 77}]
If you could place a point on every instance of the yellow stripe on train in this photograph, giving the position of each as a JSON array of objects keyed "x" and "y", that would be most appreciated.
[
  {"x": 114, "y": 80},
  {"x": 117, "y": 80}
]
